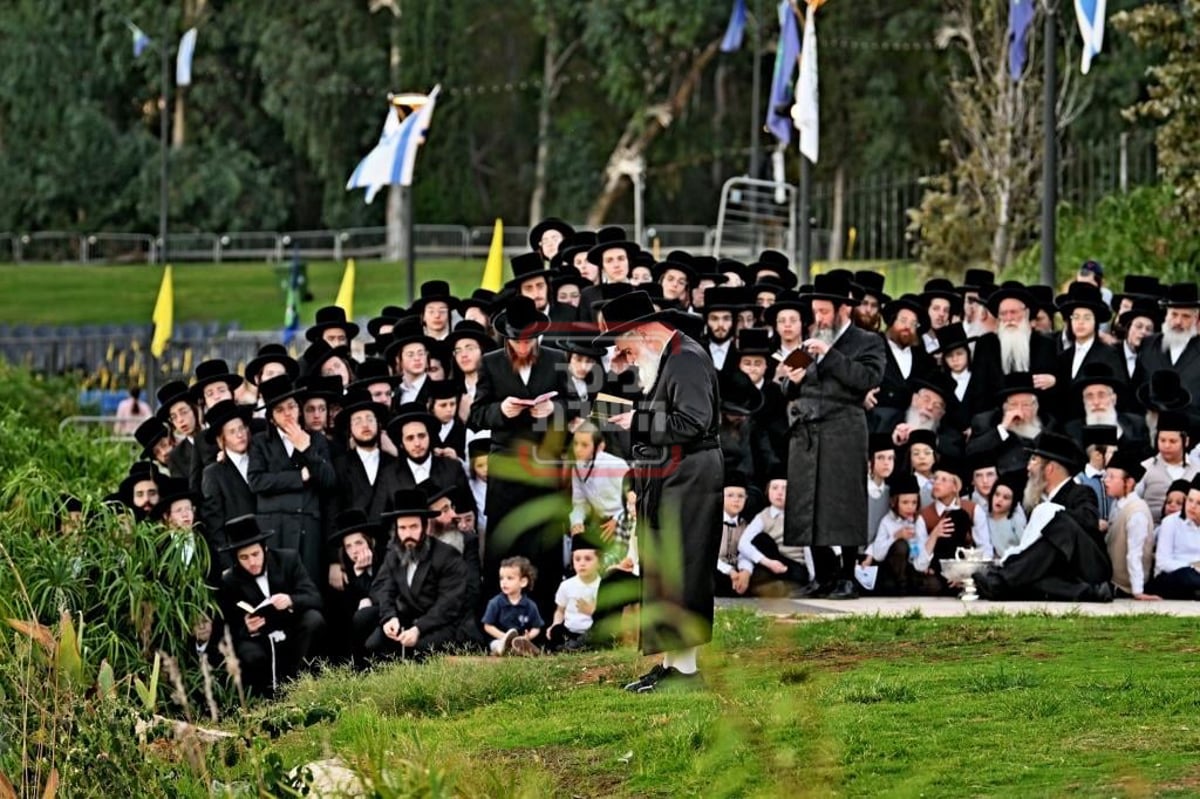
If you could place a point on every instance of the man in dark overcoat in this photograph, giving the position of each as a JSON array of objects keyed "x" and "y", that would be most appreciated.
[
  {"x": 827, "y": 484},
  {"x": 678, "y": 478}
]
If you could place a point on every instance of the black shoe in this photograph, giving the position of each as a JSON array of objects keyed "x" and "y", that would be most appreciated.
[
  {"x": 1100, "y": 592},
  {"x": 812, "y": 590},
  {"x": 844, "y": 589},
  {"x": 649, "y": 678},
  {"x": 672, "y": 679}
]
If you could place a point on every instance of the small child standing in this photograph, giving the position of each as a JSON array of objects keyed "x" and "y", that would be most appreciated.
[
  {"x": 1005, "y": 525},
  {"x": 575, "y": 601},
  {"x": 511, "y": 618},
  {"x": 598, "y": 488}
]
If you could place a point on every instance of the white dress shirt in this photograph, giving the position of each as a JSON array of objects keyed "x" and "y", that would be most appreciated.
[
  {"x": 1137, "y": 529},
  {"x": 241, "y": 463},
  {"x": 885, "y": 536},
  {"x": 746, "y": 549},
  {"x": 580, "y": 387},
  {"x": 743, "y": 565},
  {"x": 1082, "y": 348},
  {"x": 370, "y": 462},
  {"x": 718, "y": 353},
  {"x": 420, "y": 471},
  {"x": 1130, "y": 358},
  {"x": 409, "y": 391},
  {"x": 598, "y": 487},
  {"x": 903, "y": 357},
  {"x": 263, "y": 585},
  {"x": 524, "y": 372},
  {"x": 1178, "y": 544},
  {"x": 287, "y": 443},
  {"x": 961, "y": 380}
]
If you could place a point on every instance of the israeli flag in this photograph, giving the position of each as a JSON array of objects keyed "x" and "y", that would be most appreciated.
[
  {"x": 1090, "y": 15},
  {"x": 391, "y": 162}
]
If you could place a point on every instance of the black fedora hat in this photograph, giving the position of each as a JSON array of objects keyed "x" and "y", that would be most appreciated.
[
  {"x": 754, "y": 341},
  {"x": 223, "y": 412},
  {"x": 388, "y": 316},
  {"x": 1138, "y": 287},
  {"x": 1010, "y": 290},
  {"x": 170, "y": 491},
  {"x": 243, "y": 531},
  {"x": 434, "y": 291},
  {"x": 610, "y": 291},
  {"x": 911, "y": 302},
  {"x": 326, "y": 387},
  {"x": 472, "y": 331},
  {"x": 412, "y": 412},
  {"x": 680, "y": 266},
  {"x": 1060, "y": 449},
  {"x": 545, "y": 226},
  {"x": 483, "y": 299},
  {"x": 1043, "y": 299},
  {"x": 351, "y": 521},
  {"x": 213, "y": 371},
  {"x": 568, "y": 276},
  {"x": 149, "y": 433},
  {"x": 768, "y": 284},
  {"x": 610, "y": 238},
  {"x": 1164, "y": 391},
  {"x": 407, "y": 331},
  {"x": 731, "y": 265},
  {"x": 1086, "y": 296},
  {"x": 140, "y": 471},
  {"x": 433, "y": 492},
  {"x": 276, "y": 390},
  {"x": 952, "y": 337},
  {"x": 902, "y": 483},
  {"x": 1016, "y": 383},
  {"x": 317, "y": 353},
  {"x": 577, "y": 242},
  {"x": 359, "y": 400},
  {"x": 868, "y": 282},
  {"x": 1098, "y": 435},
  {"x": 527, "y": 266},
  {"x": 520, "y": 320},
  {"x": 444, "y": 389},
  {"x": 626, "y": 313},
  {"x": 1096, "y": 374},
  {"x": 830, "y": 287},
  {"x": 171, "y": 395},
  {"x": 1144, "y": 308},
  {"x": 939, "y": 288},
  {"x": 372, "y": 371},
  {"x": 708, "y": 267},
  {"x": 408, "y": 502},
  {"x": 1128, "y": 461},
  {"x": 271, "y": 353},
  {"x": 775, "y": 262},
  {"x": 739, "y": 396},
  {"x": 331, "y": 316},
  {"x": 788, "y": 300},
  {"x": 976, "y": 279},
  {"x": 1181, "y": 295},
  {"x": 726, "y": 298},
  {"x": 939, "y": 383}
]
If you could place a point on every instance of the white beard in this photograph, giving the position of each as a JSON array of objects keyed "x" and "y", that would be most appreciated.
[
  {"x": 825, "y": 334},
  {"x": 1152, "y": 424},
  {"x": 1172, "y": 339},
  {"x": 1108, "y": 417},
  {"x": 975, "y": 328},
  {"x": 647, "y": 365},
  {"x": 1027, "y": 429},
  {"x": 918, "y": 421},
  {"x": 1014, "y": 348},
  {"x": 1034, "y": 488}
]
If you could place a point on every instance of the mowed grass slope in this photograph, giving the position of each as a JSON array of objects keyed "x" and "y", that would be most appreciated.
[
  {"x": 984, "y": 706},
  {"x": 247, "y": 293}
]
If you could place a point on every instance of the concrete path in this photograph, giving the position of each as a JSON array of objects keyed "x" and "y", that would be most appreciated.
[{"x": 948, "y": 607}]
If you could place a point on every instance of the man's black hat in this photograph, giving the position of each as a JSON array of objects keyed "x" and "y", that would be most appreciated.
[
  {"x": 527, "y": 266},
  {"x": 434, "y": 291},
  {"x": 170, "y": 395},
  {"x": 349, "y": 522},
  {"x": 271, "y": 353},
  {"x": 243, "y": 531},
  {"x": 1164, "y": 391},
  {"x": 545, "y": 226},
  {"x": 609, "y": 238},
  {"x": 214, "y": 371},
  {"x": 408, "y": 502},
  {"x": 150, "y": 432},
  {"x": 1083, "y": 295},
  {"x": 331, "y": 316},
  {"x": 1060, "y": 449},
  {"x": 223, "y": 412},
  {"x": 521, "y": 320}
]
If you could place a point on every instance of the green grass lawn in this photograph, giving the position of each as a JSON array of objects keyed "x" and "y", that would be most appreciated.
[
  {"x": 249, "y": 293},
  {"x": 983, "y": 706}
]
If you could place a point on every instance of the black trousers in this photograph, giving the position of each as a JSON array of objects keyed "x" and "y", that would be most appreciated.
[
  {"x": 1179, "y": 584},
  {"x": 380, "y": 646},
  {"x": 266, "y": 665},
  {"x": 797, "y": 571}
]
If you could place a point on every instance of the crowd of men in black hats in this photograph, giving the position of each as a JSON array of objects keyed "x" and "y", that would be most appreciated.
[{"x": 611, "y": 428}]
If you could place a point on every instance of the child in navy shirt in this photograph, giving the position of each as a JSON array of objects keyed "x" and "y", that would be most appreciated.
[{"x": 511, "y": 618}]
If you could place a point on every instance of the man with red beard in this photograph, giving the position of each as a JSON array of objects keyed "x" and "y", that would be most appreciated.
[
  {"x": 906, "y": 360},
  {"x": 1176, "y": 348},
  {"x": 868, "y": 290},
  {"x": 528, "y": 438}
]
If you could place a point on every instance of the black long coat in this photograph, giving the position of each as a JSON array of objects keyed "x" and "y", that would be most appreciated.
[
  {"x": 226, "y": 496},
  {"x": 285, "y": 503},
  {"x": 435, "y": 602},
  {"x": 827, "y": 452},
  {"x": 443, "y": 472},
  {"x": 285, "y": 575},
  {"x": 678, "y": 475},
  {"x": 1151, "y": 358}
]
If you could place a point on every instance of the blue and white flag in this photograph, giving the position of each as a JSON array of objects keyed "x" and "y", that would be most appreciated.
[
  {"x": 1020, "y": 16},
  {"x": 140, "y": 40},
  {"x": 806, "y": 112},
  {"x": 1090, "y": 14},
  {"x": 391, "y": 162},
  {"x": 183, "y": 63},
  {"x": 787, "y": 53},
  {"x": 736, "y": 28}
]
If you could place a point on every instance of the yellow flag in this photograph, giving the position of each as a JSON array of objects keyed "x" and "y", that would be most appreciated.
[
  {"x": 345, "y": 297},
  {"x": 493, "y": 273},
  {"x": 164, "y": 314}
]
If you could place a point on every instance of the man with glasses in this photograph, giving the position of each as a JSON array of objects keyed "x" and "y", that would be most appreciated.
[{"x": 1007, "y": 432}]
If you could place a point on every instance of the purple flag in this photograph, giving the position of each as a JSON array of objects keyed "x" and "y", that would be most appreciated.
[
  {"x": 737, "y": 27},
  {"x": 787, "y": 57},
  {"x": 1020, "y": 15}
]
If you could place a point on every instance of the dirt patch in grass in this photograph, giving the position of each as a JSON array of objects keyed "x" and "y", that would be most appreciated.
[{"x": 577, "y": 772}]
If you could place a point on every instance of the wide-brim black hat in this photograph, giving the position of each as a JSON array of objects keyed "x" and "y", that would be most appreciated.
[
  {"x": 577, "y": 339},
  {"x": 910, "y": 302},
  {"x": 372, "y": 371},
  {"x": 408, "y": 502},
  {"x": 869, "y": 282},
  {"x": 1060, "y": 449},
  {"x": 726, "y": 298},
  {"x": 833, "y": 288},
  {"x": 1010, "y": 290},
  {"x": 138, "y": 472},
  {"x": 349, "y": 522},
  {"x": 326, "y": 387},
  {"x": 738, "y": 395},
  {"x": 545, "y": 226},
  {"x": 777, "y": 262},
  {"x": 360, "y": 400},
  {"x": 272, "y": 353},
  {"x": 569, "y": 276},
  {"x": 434, "y": 291},
  {"x": 943, "y": 289},
  {"x": 171, "y": 491},
  {"x": 276, "y": 390},
  {"x": 223, "y": 412},
  {"x": 317, "y": 353},
  {"x": 1083, "y": 295},
  {"x": 482, "y": 299},
  {"x": 1096, "y": 374},
  {"x": 952, "y": 337},
  {"x": 627, "y": 313},
  {"x": 754, "y": 341},
  {"x": 1149, "y": 309},
  {"x": 520, "y": 319},
  {"x": 1016, "y": 383},
  {"x": 406, "y": 414},
  {"x": 610, "y": 238},
  {"x": 329, "y": 317},
  {"x": 388, "y": 315},
  {"x": 1098, "y": 435},
  {"x": 243, "y": 531},
  {"x": 976, "y": 279},
  {"x": 466, "y": 329},
  {"x": 527, "y": 266},
  {"x": 170, "y": 395},
  {"x": 1138, "y": 288},
  {"x": 407, "y": 331},
  {"x": 787, "y": 301},
  {"x": 579, "y": 241},
  {"x": 1181, "y": 295},
  {"x": 1164, "y": 391},
  {"x": 685, "y": 269},
  {"x": 1128, "y": 461},
  {"x": 727, "y": 265},
  {"x": 214, "y": 371},
  {"x": 149, "y": 433},
  {"x": 939, "y": 383}
]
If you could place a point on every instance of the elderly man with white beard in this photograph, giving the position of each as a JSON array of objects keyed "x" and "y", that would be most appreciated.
[
  {"x": 1016, "y": 346},
  {"x": 1097, "y": 386},
  {"x": 935, "y": 408},
  {"x": 1009, "y": 431},
  {"x": 1177, "y": 346}
]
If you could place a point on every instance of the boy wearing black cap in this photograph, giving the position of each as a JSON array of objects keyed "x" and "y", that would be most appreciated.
[
  {"x": 1130, "y": 534},
  {"x": 733, "y": 571}
]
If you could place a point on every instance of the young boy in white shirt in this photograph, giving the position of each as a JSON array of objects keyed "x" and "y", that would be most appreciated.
[
  {"x": 575, "y": 601},
  {"x": 778, "y": 568}
]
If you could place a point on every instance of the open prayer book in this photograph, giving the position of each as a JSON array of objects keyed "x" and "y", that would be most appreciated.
[
  {"x": 271, "y": 614},
  {"x": 606, "y": 405},
  {"x": 529, "y": 403}
]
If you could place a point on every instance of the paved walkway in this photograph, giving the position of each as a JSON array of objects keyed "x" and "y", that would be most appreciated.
[{"x": 947, "y": 607}]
